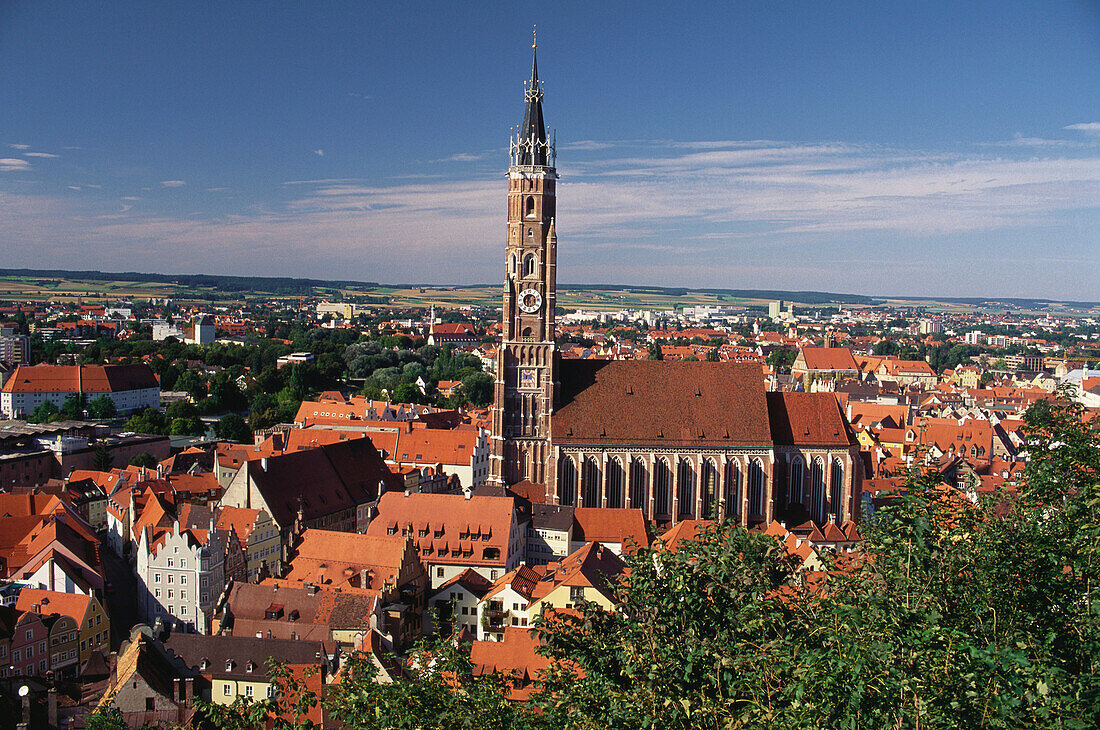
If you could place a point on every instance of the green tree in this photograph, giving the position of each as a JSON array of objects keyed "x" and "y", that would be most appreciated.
[
  {"x": 44, "y": 412},
  {"x": 477, "y": 389},
  {"x": 103, "y": 459},
  {"x": 232, "y": 427},
  {"x": 73, "y": 407},
  {"x": 655, "y": 351},
  {"x": 194, "y": 383},
  {"x": 712, "y": 355},
  {"x": 143, "y": 459},
  {"x": 149, "y": 420},
  {"x": 102, "y": 408}
]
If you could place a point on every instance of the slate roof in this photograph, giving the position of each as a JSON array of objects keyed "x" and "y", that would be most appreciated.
[
  {"x": 652, "y": 402},
  {"x": 324, "y": 480},
  {"x": 193, "y": 648}
]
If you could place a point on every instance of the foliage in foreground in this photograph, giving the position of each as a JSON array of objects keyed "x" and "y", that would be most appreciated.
[{"x": 957, "y": 615}]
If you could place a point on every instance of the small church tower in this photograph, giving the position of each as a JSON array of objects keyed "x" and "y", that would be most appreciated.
[{"x": 526, "y": 361}]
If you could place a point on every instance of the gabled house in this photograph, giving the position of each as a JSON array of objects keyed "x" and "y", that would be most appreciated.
[{"x": 454, "y": 532}]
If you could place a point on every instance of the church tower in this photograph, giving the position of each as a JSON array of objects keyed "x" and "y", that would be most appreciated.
[{"x": 526, "y": 361}]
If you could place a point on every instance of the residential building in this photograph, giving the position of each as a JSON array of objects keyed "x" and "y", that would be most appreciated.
[
  {"x": 238, "y": 666},
  {"x": 454, "y": 532},
  {"x": 88, "y": 622},
  {"x": 180, "y": 565},
  {"x": 130, "y": 387}
]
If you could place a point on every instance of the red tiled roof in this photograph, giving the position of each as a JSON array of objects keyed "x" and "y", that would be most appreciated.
[
  {"x": 462, "y": 525},
  {"x": 92, "y": 379},
  {"x": 74, "y": 605},
  {"x": 652, "y": 402},
  {"x": 606, "y": 525},
  {"x": 807, "y": 419},
  {"x": 829, "y": 358}
]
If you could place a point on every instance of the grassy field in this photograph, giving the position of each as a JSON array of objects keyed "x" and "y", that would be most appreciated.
[{"x": 64, "y": 289}]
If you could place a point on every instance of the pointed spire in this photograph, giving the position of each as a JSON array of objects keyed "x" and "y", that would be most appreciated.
[{"x": 531, "y": 146}]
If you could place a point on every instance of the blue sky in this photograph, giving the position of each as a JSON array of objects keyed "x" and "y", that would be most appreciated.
[{"x": 877, "y": 148}]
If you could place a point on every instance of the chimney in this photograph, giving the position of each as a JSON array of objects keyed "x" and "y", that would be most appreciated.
[
  {"x": 177, "y": 689},
  {"x": 364, "y": 578},
  {"x": 263, "y": 463},
  {"x": 188, "y": 689},
  {"x": 160, "y": 471},
  {"x": 311, "y": 589}
]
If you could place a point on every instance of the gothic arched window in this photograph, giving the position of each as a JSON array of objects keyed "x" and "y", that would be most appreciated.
[
  {"x": 530, "y": 263},
  {"x": 733, "y": 488},
  {"x": 614, "y": 484},
  {"x": 529, "y": 207},
  {"x": 710, "y": 488},
  {"x": 756, "y": 487},
  {"x": 798, "y": 469},
  {"x": 661, "y": 493},
  {"x": 590, "y": 483},
  {"x": 837, "y": 480},
  {"x": 686, "y": 488},
  {"x": 567, "y": 481},
  {"x": 637, "y": 486},
  {"x": 817, "y": 490}
]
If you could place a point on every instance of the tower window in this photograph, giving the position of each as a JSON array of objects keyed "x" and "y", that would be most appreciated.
[
  {"x": 529, "y": 207},
  {"x": 529, "y": 264}
]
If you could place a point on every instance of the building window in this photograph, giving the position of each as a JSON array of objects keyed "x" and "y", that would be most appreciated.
[
  {"x": 817, "y": 490},
  {"x": 567, "y": 481},
  {"x": 797, "y": 470},
  {"x": 439, "y": 572},
  {"x": 248, "y": 690},
  {"x": 225, "y": 689},
  {"x": 756, "y": 487}
]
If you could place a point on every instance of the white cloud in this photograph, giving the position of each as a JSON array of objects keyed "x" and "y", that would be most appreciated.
[
  {"x": 1089, "y": 127},
  {"x": 319, "y": 152},
  {"x": 675, "y": 212},
  {"x": 39, "y": 154},
  {"x": 172, "y": 183},
  {"x": 12, "y": 164},
  {"x": 463, "y": 157},
  {"x": 20, "y": 146}
]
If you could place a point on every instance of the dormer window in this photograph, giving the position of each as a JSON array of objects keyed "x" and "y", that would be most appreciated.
[
  {"x": 229, "y": 665},
  {"x": 251, "y": 666},
  {"x": 204, "y": 664}
]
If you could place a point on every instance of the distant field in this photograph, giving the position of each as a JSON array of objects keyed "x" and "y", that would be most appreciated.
[{"x": 98, "y": 287}]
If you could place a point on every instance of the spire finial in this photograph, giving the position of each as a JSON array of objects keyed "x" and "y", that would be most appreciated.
[{"x": 535, "y": 36}]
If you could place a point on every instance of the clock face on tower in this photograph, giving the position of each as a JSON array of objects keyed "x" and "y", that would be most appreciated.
[{"x": 530, "y": 300}]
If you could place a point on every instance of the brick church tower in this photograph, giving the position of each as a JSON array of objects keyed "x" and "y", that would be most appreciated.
[{"x": 526, "y": 378}]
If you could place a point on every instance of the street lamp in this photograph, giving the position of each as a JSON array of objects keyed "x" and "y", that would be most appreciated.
[{"x": 25, "y": 693}]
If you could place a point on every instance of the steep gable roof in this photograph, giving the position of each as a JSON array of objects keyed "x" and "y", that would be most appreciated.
[
  {"x": 807, "y": 419},
  {"x": 603, "y": 524},
  {"x": 638, "y": 401},
  {"x": 322, "y": 481},
  {"x": 829, "y": 358},
  {"x": 449, "y": 528}
]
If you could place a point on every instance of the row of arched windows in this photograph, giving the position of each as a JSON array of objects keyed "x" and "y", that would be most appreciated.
[
  {"x": 818, "y": 502},
  {"x": 728, "y": 490},
  {"x": 530, "y": 266}
]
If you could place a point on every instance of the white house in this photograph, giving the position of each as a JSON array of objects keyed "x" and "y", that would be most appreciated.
[{"x": 181, "y": 574}]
